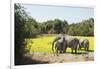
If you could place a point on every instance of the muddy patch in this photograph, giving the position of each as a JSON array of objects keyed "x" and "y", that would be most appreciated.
[{"x": 61, "y": 58}]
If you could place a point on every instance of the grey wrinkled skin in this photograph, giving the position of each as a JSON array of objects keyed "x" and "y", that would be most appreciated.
[
  {"x": 59, "y": 44},
  {"x": 62, "y": 42},
  {"x": 72, "y": 42},
  {"x": 84, "y": 43}
]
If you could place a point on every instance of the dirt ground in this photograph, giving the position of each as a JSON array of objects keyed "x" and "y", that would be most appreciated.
[{"x": 62, "y": 58}]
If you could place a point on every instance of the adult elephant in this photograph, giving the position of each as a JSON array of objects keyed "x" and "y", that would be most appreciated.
[
  {"x": 84, "y": 43},
  {"x": 62, "y": 42},
  {"x": 59, "y": 44},
  {"x": 71, "y": 42}
]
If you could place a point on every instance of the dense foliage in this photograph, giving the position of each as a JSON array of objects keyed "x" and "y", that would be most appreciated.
[
  {"x": 20, "y": 19},
  {"x": 84, "y": 28}
]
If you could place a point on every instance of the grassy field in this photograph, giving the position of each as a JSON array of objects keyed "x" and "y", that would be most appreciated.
[{"x": 44, "y": 43}]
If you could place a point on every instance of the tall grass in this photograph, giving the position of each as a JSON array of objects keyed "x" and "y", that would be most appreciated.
[{"x": 44, "y": 43}]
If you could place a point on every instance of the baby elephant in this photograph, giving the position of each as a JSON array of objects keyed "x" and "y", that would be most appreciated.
[{"x": 84, "y": 43}]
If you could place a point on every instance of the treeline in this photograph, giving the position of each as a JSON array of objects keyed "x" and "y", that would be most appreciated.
[
  {"x": 56, "y": 26},
  {"x": 84, "y": 28},
  {"x": 27, "y": 27}
]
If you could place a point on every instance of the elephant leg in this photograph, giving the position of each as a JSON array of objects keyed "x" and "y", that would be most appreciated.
[
  {"x": 72, "y": 50},
  {"x": 64, "y": 47},
  {"x": 60, "y": 51},
  {"x": 57, "y": 52},
  {"x": 75, "y": 50},
  {"x": 79, "y": 48},
  {"x": 65, "y": 50},
  {"x": 87, "y": 48}
]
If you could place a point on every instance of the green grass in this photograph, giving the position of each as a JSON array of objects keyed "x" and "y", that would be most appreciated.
[{"x": 44, "y": 43}]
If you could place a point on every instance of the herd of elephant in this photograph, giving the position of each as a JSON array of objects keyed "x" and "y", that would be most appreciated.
[{"x": 62, "y": 42}]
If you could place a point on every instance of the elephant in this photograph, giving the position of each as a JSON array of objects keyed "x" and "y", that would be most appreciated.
[
  {"x": 59, "y": 44},
  {"x": 71, "y": 42},
  {"x": 84, "y": 43},
  {"x": 62, "y": 42}
]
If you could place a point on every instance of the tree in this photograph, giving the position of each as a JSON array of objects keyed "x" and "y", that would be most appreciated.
[
  {"x": 84, "y": 28},
  {"x": 31, "y": 28},
  {"x": 23, "y": 25},
  {"x": 58, "y": 26},
  {"x": 65, "y": 26},
  {"x": 19, "y": 32},
  {"x": 48, "y": 26}
]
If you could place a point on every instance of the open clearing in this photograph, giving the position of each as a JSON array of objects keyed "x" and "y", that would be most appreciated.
[
  {"x": 44, "y": 44},
  {"x": 41, "y": 51}
]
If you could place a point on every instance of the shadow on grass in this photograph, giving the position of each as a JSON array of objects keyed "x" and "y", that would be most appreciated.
[
  {"x": 77, "y": 53},
  {"x": 88, "y": 51},
  {"x": 28, "y": 61},
  {"x": 84, "y": 52},
  {"x": 91, "y": 50}
]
